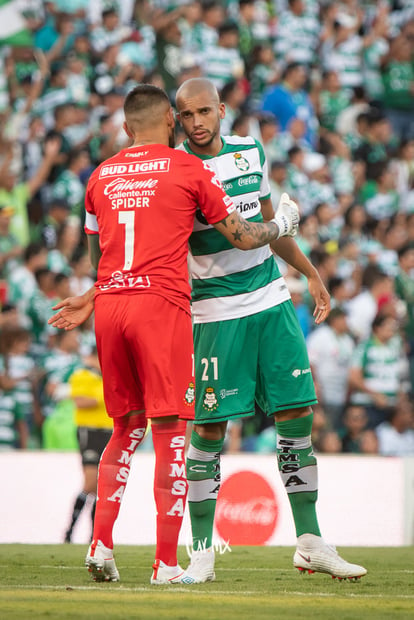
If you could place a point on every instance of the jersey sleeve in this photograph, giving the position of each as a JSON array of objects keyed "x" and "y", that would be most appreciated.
[
  {"x": 91, "y": 223},
  {"x": 211, "y": 197}
]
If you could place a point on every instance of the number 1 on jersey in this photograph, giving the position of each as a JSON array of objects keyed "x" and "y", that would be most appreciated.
[{"x": 128, "y": 218}]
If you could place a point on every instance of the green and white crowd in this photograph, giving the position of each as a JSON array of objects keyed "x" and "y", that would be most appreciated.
[{"x": 326, "y": 86}]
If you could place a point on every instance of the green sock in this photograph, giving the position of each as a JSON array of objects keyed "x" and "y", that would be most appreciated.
[
  {"x": 298, "y": 469},
  {"x": 203, "y": 475}
]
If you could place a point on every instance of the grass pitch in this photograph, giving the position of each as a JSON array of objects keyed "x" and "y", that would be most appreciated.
[{"x": 50, "y": 581}]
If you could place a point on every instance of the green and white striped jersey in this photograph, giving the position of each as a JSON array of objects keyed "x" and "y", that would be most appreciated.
[
  {"x": 228, "y": 283},
  {"x": 382, "y": 368},
  {"x": 19, "y": 368},
  {"x": 221, "y": 65}
]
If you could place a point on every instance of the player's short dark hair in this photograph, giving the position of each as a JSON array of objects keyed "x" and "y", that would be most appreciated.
[{"x": 144, "y": 97}]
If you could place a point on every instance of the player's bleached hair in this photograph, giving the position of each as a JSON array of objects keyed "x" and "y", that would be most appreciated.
[{"x": 142, "y": 101}]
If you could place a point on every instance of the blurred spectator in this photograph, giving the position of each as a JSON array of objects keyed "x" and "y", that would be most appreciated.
[
  {"x": 376, "y": 370},
  {"x": 68, "y": 239},
  {"x": 296, "y": 180},
  {"x": 289, "y": 99},
  {"x": 68, "y": 186},
  {"x": 38, "y": 311},
  {"x": 222, "y": 62},
  {"x": 297, "y": 289},
  {"x": 398, "y": 78},
  {"x": 333, "y": 99},
  {"x": 10, "y": 248},
  {"x": 22, "y": 282},
  {"x": 329, "y": 443},
  {"x": 61, "y": 361},
  {"x": 277, "y": 179},
  {"x": 13, "y": 426},
  {"x": 404, "y": 289},
  {"x": 330, "y": 349},
  {"x": 80, "y": 279},
  {"x": 94, "y": 429},
  {"x": 297, "y": 33},
  {"x": 402, "y": 167},
  {"x": 363, "y": 308},
  {"x": 354, "y": 425},
  {"x": 339, "y": 291},
  {"x": 385, "y": 202},
  {"x": 233, "y": 96},
  {"x": 373, "y": 151},
  {"x": 262, "y": 71},
  {"x": 396, "y": 435},
  {"x": 268, "y": 138},
  {"x": 320, "y": 189},
  {"x": 286, "y": 65},
  {"x": 56, "y": 214},
  {"x": 17, "y": 194},
  {"x": 110, "y": 32},
  {"x": 342, "y": 51},
  {"x": 212, "y": 16},
  {"x": 19, "y": 366}
]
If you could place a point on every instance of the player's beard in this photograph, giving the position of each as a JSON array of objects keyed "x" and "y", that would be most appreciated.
[{"x": 209, "y": 138}]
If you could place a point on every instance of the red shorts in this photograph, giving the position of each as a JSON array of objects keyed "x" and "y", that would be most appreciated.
[{"x": 145, "y": 347}]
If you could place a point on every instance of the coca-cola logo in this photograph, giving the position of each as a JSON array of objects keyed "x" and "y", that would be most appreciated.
[{"x": 247, "y": 509}]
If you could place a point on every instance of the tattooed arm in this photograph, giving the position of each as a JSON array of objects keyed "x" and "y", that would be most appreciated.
[{"x": 247, "y": 235}]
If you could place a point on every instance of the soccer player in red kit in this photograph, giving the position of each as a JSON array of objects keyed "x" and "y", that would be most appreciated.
[{"x": 140, "y": 210}]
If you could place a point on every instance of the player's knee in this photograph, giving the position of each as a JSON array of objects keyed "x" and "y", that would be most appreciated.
[
  {"x": 292, "y": 414},
  {"x": 213, "y": 432}
]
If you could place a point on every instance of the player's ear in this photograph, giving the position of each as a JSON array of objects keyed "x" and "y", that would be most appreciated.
[
  {"x": 222, "y": 110},
  {"x": 127, "y": 131},
  {"x": 170, "y": 118}
]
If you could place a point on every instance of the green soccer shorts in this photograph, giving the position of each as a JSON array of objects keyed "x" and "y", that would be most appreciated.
[{"x": 261, "y": 357}]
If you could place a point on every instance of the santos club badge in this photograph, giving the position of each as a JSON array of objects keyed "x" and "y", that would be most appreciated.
[
  {"x": 190, "y": 394},
  {"x": 210, "y": 402},
  {"x": 241, "y": 163}
]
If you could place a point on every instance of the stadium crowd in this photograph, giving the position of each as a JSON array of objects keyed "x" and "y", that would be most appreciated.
[{"x": 326, "y": 86}]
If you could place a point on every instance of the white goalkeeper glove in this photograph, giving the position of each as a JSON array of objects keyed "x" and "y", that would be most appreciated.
[{"x": 286, "y": 217}]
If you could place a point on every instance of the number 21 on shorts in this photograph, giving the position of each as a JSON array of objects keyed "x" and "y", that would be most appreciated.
[{"x": 210, "y": 369}]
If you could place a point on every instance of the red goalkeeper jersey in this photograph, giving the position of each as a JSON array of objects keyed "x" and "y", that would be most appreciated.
[{"x": 142, "y": 203}]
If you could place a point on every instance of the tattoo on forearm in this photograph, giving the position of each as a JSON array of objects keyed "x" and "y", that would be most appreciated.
[{"x": 260, "y": 233}]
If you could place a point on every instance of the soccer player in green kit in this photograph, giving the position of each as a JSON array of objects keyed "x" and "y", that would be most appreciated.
[{"x": 248, "y": 342}]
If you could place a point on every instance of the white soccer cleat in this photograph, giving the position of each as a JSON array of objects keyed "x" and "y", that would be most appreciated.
[
  {"x": 287, "y": 217},
  {"x": 313, "y": 555},
  {"x": 201, "y": 567},
  {"x": 100, "y": 563},
  {"x": 163, "y": 574}
]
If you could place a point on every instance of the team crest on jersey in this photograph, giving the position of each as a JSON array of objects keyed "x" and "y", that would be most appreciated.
[
  {"x": 241, "y": 162},
  {"x": 210, "y": 402},
  {"x": 190, "y": 394}
]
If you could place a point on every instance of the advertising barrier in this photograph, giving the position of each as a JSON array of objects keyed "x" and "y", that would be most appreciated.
[{"x": 363, "y": 501}]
